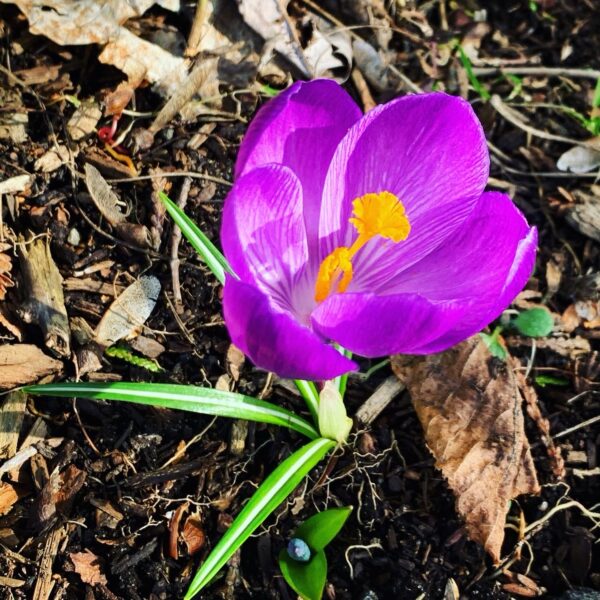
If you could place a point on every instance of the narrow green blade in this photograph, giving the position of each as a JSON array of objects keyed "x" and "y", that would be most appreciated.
[
  {"x": 183, "y": 397},
  {"x": 273, "y": 491},
  {"x": 308, "y": 390},
  {"x": 211, "y": 255}
]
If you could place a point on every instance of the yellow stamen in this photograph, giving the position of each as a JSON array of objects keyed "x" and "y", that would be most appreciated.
[{"x": 373, "y": 214}]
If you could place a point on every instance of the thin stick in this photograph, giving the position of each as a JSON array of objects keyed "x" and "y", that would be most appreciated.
[
  {"x": 513, "y": 117},
  {"x": 538, "y": 72},
  {"x": 195, "y": 37},
  {"x": 579, "y": 426},
  {"x": 175, "y": 241}
]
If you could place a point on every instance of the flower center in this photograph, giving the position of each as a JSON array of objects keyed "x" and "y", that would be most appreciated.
[{"x": 373, "y": 214}]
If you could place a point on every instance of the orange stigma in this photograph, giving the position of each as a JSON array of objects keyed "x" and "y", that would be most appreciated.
[{"x": 373, "y": 214}]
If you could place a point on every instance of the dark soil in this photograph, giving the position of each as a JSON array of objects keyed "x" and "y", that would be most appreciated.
[{"x": 404, "y": 539}]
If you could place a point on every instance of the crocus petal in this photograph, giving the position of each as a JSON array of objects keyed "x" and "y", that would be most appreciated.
[
  {"x": 477, "y": 319},
  {"x": 274, "y": 340},
  {"x": 262, "y": 231},
  {"x": 372, "y": 325},
  {"x": 445, "y": 298},
  {"x": 428, "y": 150},
  {"x": 300, "y": 128},
  {"x": 484, "y": 266}
]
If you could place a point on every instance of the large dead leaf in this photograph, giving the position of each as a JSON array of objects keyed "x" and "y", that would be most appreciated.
[
  {"x": 470, "y": 408},
  {"x": 79, "y": 22},
  {"x": 24, "y": 363}
]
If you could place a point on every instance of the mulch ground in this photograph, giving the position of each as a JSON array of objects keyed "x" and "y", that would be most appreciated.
[{"x": 121, "y": 485}]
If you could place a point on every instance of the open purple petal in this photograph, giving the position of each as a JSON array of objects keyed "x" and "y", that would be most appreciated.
[
  {"x": 477, "y": 319},
  {"x": 300, "y": 128},
  {"x": 430, "y": 151},
  {"x": 262, "y": 231},
  {"x": 274, "y": 340},
  {"x": 372, "y": 325}
]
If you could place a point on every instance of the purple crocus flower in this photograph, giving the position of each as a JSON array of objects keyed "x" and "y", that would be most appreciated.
[{"x": 372, "y": 231}]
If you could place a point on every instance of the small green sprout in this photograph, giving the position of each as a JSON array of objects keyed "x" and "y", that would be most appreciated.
[{"x": 303, "y": 563}]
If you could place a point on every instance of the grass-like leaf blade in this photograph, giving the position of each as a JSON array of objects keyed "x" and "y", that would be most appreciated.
[
  {"x": 271, "y": 493},
  {"x": 211, "y": 255},
  {"x": 183, "y": 397},
  {"x": 306, "y": 579},
  {"x": 308, "y": 390}
]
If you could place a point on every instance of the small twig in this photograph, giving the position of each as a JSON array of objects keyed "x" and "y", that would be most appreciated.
[
  {"x": 195, "y": 37},
  {"x": 513, "y": 117},
  {"x": 83, "y": 429},
  {"x": 173, "y": 174},
  {"x": 377, "y": 402},
  {"x": 175, "y": 241},
  {"x": 363, "y": 90},
  {"x": 538, "y": 71},
  {"x": 566, "y": 432}
]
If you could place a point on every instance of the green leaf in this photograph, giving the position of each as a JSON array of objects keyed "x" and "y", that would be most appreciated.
[
  {"x": 341, "y": 382},
  {"x": 492, "y": 341},
  {"x": 127, "y": 355},
  {"x": 544, "y": 380},
  {"x": 318, "y": 531},
  {"x": 477, "y": 85},
  {"x": 334, "y": 422},
  {"x": 271, "y": 493},
  {"x": 182, "y": 397},
  {"x": 211, "y": 255},
  {"x": 308, "y": 390},
  {"x": 535, "y": 322},
  {"x": 306, "y": 579}
]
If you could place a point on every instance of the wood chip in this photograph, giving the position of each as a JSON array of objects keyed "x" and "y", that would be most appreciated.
[
  {"x": 470, "y": 408},
  {"x": 8, "y": 496},
  {"x": 21, "y": 364},
  {"x": 44, "y": 302},
  {"x": 87, "y": 566},
  {"x": 11, "y": 419}
]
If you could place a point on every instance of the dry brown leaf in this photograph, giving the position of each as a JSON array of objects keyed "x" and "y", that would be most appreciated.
[
  {"x": 8, "y": 496},
  {"x": 129, "y": 311},
  {"x": 82, "y": 22},
  {"x": 24, "y": 363},
  {"x": 193, "y": 534},
  {"x": 470, "y": 408},
  {"x": 87, "y": 566}
]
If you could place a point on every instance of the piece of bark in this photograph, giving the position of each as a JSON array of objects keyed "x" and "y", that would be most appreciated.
[
  {"x": 21, "y": 364},
  {"x": 45, "y": 582},
  {"x": 376, "y": 403},
  {"x": 8, "y": 496},
  {"x": 470, "y": 408},
  {"x": 11, "y": 419},
  {"x": 44, "y": 302}
]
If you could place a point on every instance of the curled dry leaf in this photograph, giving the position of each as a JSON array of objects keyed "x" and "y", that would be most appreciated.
[
  {"x": 87, "y": 566},
  {"x": 106, "y": 202},
  {"x": 82, "y": 22},
  {"x": 193, "y": 534},
  {"x": 129, "y": 311},
  {"x": 84, "y": 120},
  {"x": 579, "y": 159},
  {"x": 584, "y": 215},
  {"x": 470, "y": 408},
  {"x": 326, "y": 49}
]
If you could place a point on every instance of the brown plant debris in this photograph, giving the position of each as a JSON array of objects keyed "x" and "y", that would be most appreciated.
[
  {"x": 87, "y": 566},
  {"x": 470, "y": 407},
  {"x": 8, "y": 496},
  {"x": 24, "y": 363},
  {"x": 44, "y": 301}
]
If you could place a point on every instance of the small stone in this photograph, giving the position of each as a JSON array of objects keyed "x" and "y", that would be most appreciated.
[
  {"x": 74, "y": 237},
  {"x": 298, "y": 550}
]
